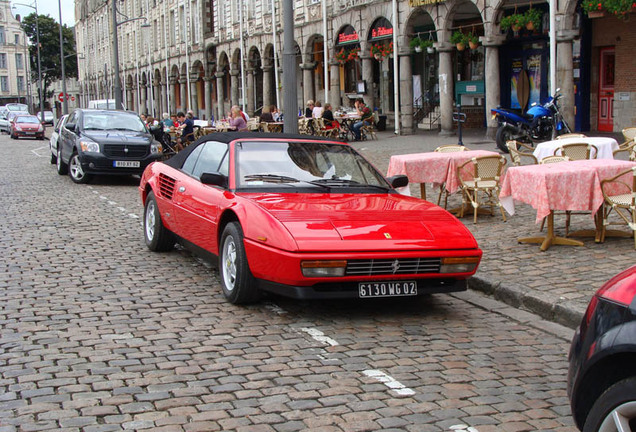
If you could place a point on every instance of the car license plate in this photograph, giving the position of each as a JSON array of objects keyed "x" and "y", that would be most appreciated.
[
  {"x": 126, "y": 164},
  {"x": 29, "y": 133},
  {"x": 387, "y": 289}
]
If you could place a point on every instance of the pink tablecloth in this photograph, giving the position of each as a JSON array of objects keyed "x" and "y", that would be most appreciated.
[
  {"x": 574, "y": 185},
  {"x": 433, "y": 167}
]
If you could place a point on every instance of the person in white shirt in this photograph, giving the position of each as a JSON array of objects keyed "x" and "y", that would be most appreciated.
[{"x": 317, "y": 111}]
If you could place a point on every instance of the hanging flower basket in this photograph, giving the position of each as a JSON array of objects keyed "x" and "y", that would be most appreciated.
[
  {"x": 381, "y": 49},
  {"x": 459, "y": 39},
  {"x": 619, "y": 8}
]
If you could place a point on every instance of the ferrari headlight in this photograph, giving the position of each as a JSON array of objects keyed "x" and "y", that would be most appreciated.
[
  {"x": 89, "y": 146},
  {"x": 323, "y": 268},
  {"x": 155, "y": 148},
  {"x": 459, "y": 264}
]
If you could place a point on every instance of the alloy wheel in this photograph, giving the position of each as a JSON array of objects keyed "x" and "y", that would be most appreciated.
[
  {"x": 76, "y": 168},
  {"x": 620, "y": 419},
  {"x": 229, "y": 263},
  {"x": 150, "y": 221}
]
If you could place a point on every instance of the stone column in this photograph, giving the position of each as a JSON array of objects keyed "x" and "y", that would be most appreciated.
[
  {"x": 131, "y": 101},
  {"x": 143, "y": 103},
  {"x": 446, "y": 88},
  {"x": 194, "y": 98},
  {"x": 173, "y": 95},
  {"x": 220, "y": 97},
  {"x": 183, "y": 81},
  {"x": 234, "y": 87},
  {"x": 565, "y": 77},
  {"x": 207, "y": 86},
  {"x": 406, "y": 92},
  {"x": 334, "y": 84},
  {"x": 367, "y": 76},
  {"x": 157, "y": 99},
  {"x": 249, "y": 94},
  {"x": 268, "y": 85},
  {"x": 493, "y": 88},
  {"x": 308, "y": 81}
]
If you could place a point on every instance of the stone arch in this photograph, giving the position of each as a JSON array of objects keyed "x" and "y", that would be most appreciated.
[{"x": 254, "y": 76}]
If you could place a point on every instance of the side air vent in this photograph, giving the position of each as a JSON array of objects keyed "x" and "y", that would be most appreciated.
[{"x": 166, "y": 186}]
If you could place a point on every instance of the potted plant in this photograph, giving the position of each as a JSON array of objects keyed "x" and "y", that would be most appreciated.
[
  {"x": 428, "y": 44},
  {"x": 341, "y": 56},
  {"x": 416, "y": 44},
  {"x": 459, "y": 39},
  {"x": 619, "y": 8},
  {"x": 473, "y": 40},
  {"x": 533, "y": 18},
  {"x": 511, "y": 22}
]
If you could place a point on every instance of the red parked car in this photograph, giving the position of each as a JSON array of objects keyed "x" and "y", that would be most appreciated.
[
  {"x": 302, "y": 217},
  {"x": 24, "y": 125}
]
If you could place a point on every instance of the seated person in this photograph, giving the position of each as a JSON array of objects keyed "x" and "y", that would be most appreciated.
[
  {"x": 187, "y": 128},
  {"x": 366, "y": 118},
  {"x": 266, "y": 115},
  {"x": 327, "y": 116},
  {"x": 236, "y": 119},
  {"x": 317, "y": 111},
  {"x": 167, "y": 121}
]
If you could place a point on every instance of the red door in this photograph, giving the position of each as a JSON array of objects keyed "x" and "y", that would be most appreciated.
[{"x": 606, "y": 91}]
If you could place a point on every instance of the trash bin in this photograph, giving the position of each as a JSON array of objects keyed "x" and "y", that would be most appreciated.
[{"x": 381, "y": 124}]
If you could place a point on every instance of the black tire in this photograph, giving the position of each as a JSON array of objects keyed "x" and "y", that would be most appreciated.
[
  {"x": 75, "y": 170},
  {"x": 158, "y": 238},
  {"x": 13, "y": 136},
  {"x": 62, "y": 168},
  {"x": 619, "y": 400},
  {"x": 504, "y": 134},
  {"x": 53, "y": 158},
  {"x": 239, "y": 286}
]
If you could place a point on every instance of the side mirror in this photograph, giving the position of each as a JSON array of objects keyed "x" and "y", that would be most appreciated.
[
  {"x": 398, "y": 181},
  {"x": 214, "y": 179}
]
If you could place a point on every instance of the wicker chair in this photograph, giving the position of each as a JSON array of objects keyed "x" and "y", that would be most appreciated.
[
  {"x": 369, "y": 131},
  {"x": 553, "y": 159},
  {"x": 518, "y": 151},
  {"x": 303, "y": 126},
  {"x": 447, "y": 149},
  {"x": 620, "y": 196},
  {"x": 629, "y": 134},
  {"x": 577, "y": 151},
  {"x": 571, "y": 135},
  {"x": 479, "y": 179},
  {"x": 253, "y": 124},
  {"x": 629, "y": 148}
]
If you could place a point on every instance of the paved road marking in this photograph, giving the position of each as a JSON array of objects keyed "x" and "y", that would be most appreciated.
[
  {"x": 463, "y": 428},
  {"x": 35, "y": 151},
  {"x": 389, "y": 381},
  {"x": 319, "y": 336}
]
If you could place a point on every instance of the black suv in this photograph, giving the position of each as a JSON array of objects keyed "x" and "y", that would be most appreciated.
[{"x": 104, "y": 142}]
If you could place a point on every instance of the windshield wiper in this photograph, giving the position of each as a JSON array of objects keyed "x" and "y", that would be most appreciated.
[
  {"x": 346, "y": 182},
  {"x": 275, "y": 178}
]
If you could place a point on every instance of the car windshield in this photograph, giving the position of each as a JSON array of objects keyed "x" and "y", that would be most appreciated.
[
  {"x": 17, "y": 107},
  {"x": 103, "y": 120},
  {"x": 292, "y": 164},
  {"x": 27, "y": 119}
]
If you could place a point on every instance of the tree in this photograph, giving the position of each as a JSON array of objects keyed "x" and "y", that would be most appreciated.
[{"x": 50, "y": 50}]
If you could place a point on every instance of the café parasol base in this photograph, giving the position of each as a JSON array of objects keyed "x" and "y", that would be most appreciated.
[{"x": 550, "y": 239}]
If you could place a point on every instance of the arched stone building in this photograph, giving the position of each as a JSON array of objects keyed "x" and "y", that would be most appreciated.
[{"x": 191, "y": 58}]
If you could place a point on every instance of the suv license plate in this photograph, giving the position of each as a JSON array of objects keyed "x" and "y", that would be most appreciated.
[
  {"x": 387, "y": 289},
  {"x": 126, "y": 164}
]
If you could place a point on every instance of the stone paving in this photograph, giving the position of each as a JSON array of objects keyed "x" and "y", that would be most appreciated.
[
  {"x": 556, "y": 284},
  {"x": 99, "y": 334}
]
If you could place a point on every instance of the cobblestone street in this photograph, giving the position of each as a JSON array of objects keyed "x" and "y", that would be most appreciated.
[{"x": 99, "y": 334}]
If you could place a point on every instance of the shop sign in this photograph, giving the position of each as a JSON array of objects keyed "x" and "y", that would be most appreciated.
[
  {"x": 348, "y": 36},
  {"x": 381, "y": 29},
  {"x": 416, "y": 3}
]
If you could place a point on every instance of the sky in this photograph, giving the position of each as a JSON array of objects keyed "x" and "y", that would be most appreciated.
[{"x": 48, "y": 7}]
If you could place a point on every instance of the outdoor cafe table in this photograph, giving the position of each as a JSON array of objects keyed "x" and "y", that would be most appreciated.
[
  {"x": 574, "y": 185},
  {"x": 433, "y": 167},
  {"x": 605, "y": 146}
]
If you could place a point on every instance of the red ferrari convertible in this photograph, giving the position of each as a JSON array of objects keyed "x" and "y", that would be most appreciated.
[{"x": 302, "y": 217}]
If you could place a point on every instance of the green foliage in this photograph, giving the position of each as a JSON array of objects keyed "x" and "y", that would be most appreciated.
[
  {"x": 511, "y": 21},
  {"x": 419, "y": 42},
  {"x": 458, "y": 37},
  {"x": 50, "y": 60},
  {"x": 620, "y": 8},
  {"x": 533, "y": 16}
]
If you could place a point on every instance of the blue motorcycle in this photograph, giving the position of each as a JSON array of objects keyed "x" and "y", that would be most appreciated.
[{"x": 539, "y": 123}]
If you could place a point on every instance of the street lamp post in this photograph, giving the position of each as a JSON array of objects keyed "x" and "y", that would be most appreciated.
[
  {"x": 37, "y": 41},
  {"x": 115, "y": 24},
  {"x": 65, "y": 98}
]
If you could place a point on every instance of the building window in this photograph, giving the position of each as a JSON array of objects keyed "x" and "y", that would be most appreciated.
[
  {"x": 2, "y": 39},
  {"x": 4, "y": 84},
  {"x": 20, "y": 84},
  {"x": 3, "y": 61},
  {"x": 19, "y": 64}
]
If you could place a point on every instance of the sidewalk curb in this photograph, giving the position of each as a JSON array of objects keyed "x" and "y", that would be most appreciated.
[{"x": 562, "y": 312}]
